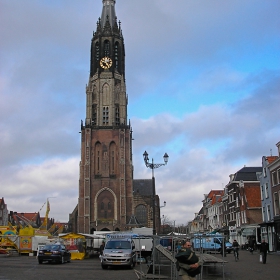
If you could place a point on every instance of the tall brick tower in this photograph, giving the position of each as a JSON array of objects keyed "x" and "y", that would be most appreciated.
[{"x": 106, "y": 171}]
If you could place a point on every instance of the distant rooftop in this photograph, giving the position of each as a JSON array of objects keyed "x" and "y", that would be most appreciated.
[
  {"x": 247, "y": 174},
  {"x": 143, "y": 187}
]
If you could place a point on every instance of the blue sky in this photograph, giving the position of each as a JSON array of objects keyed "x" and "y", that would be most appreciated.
[{"x": 202, "y": 81}]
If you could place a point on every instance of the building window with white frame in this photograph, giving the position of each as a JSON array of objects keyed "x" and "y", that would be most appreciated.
[
  {"x": 276, "y": 203},
  {"x": 238, "y": 219},
  {"x": 245, "y": 217},
  {"x": 266, "y": 190},
  {"x": 264, "y": 172},
  {"x": 263, "y": 214},
  {"x": 274, "y": 178},
  {"x": 268, "y": 213},
  {"x": 261, "y": 192}
]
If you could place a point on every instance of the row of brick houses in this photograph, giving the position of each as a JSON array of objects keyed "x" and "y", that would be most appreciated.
[
  {"x": 247, "y": 207},
  {"x": 21, "y": 220}
]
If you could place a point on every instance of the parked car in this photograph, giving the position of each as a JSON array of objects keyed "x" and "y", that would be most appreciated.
[{"x": 54, "y": 253}]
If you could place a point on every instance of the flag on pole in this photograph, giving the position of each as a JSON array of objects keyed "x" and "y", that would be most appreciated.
[
  {"x": 48, "y": 207},
  {"x": 45, "y": 223}
]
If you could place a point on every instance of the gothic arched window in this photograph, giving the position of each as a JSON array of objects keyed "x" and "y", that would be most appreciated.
[
  {"x": 106, "y": 202},
  {"x": 105, "y": 115},
  {"x": 117, "y": 115},
  {"x": 141, "y": 214},
  {"x": 106, "y": 48},
  {"x": 97, "y": 159},
  {"x": 97, "y": 57},
  {"x": 116, "y": 55}
]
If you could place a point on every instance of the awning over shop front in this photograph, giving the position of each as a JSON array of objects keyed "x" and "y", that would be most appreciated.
[{"x": 248, "y": 231}]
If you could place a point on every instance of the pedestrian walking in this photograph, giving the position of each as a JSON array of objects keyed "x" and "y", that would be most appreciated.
[
  {"x": 252, "y": 244},
  {"x": 101, "y": 248},
  {"x": 263, "y": 250}
]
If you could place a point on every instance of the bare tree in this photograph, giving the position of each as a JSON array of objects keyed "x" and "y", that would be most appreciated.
[{"x": 166, "y": 225}]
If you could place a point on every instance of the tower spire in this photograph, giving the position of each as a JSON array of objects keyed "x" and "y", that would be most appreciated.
[{"x": 108, "y": 12}]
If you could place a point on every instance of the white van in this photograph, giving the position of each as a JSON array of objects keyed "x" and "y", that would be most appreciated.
[
  {"x": 118, "y": 250},
  {"x": 210, "y": 243}
]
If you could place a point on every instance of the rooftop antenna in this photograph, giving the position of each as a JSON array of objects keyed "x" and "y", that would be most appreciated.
[{"x": 270, "y": 152}]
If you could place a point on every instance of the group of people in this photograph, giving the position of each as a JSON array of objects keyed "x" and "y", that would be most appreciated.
[
  {"x": 189, "y": 265},
  {"x": 263, "y": 249}
]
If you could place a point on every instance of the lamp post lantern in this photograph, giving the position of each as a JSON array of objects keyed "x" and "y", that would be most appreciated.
[
  {"x": 152, "y": 166},
  {"x": 164, "y": 204}
]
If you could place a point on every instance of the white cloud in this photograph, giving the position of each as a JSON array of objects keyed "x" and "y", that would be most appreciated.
[{"x": 27, "y": 187}]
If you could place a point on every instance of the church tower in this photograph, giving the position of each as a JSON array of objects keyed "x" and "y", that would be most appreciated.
[{"x": 106, "y": 171}]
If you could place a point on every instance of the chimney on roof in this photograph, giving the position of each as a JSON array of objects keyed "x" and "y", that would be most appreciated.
[{"x": 231, "y": 176}]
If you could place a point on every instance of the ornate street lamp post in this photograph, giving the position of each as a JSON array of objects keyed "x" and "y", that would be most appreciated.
[{"x": 153, "y": 166}]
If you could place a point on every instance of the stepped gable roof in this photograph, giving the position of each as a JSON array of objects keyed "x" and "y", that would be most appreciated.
[
  {"x": 143, "y": 187},
  {"x": 253, "y": 196},
  {"x": 29, "y": 216},
  {"x": 247, "y": 174}
]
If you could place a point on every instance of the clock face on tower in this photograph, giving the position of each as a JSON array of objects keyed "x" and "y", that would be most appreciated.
[{"x": 106, "y": 62}]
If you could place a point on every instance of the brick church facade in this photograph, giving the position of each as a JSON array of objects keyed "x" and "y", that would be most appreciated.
[{"x": 109, "y": 197}]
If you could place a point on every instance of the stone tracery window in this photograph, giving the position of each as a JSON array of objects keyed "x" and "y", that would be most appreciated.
[
  {"x": 141, "y": 214},
  {"x": 106, "y": 48}
]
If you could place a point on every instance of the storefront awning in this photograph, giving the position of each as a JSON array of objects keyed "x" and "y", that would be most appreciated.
[{"x": 248, "y": 231}]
